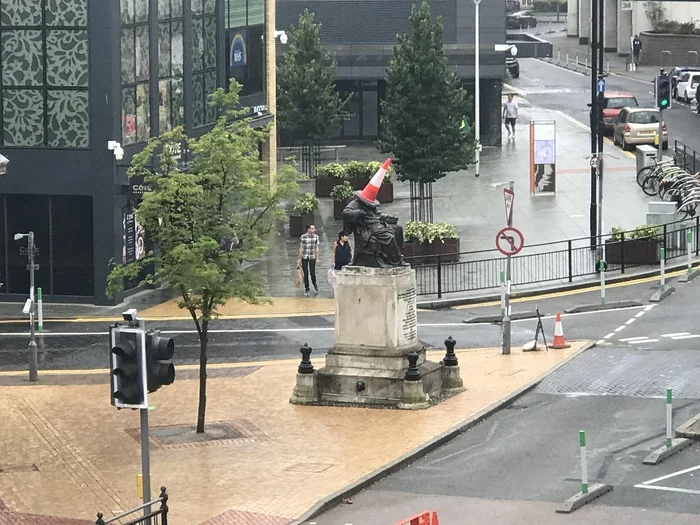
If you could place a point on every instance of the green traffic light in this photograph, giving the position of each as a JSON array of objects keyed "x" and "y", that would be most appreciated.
[{"x": 664, "y": 102}]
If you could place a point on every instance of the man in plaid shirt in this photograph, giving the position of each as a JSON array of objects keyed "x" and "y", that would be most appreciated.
[{"x": 308, "y": 254}]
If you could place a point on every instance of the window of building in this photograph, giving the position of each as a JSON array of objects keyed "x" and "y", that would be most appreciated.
[
  {"x": 135, "y": 71},
  {"x": 44, "y": 64},
  {"x": 242, "y": 13},
  {"x": 171, "y": 110},
  {"x": 204, "y": 61},
  {"x": 363, "y": 107},
  {"x": 246, "y": 58}
]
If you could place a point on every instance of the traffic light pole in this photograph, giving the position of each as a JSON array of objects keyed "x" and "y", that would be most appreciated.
[
  {"x": 594, "y": 123},
  {"x": 145, "y": 461},
  {"x": 659, "y": 147}
]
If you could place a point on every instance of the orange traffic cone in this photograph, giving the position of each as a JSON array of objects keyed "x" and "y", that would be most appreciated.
[
  {"x": 434, "y": 521},
  {"x": 559, "y": 341},
  {"x": 369, "y": 193}
]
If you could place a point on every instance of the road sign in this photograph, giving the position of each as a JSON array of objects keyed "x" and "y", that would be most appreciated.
[
  {"x": 509, "y": 241},
  {"x": 601, "y": 85},
  {"x": 509, "y": 197},
  {"x": 594, "y": 162}
]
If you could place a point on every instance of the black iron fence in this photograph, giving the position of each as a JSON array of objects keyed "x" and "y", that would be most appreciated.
[
  {"x": 687, "y": 158},
  {"x": 558, "y": 262},
  {"x": 159, "y": 516}
]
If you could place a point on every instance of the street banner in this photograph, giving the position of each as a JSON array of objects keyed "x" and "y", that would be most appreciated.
[{"x": 543, "y": 157}]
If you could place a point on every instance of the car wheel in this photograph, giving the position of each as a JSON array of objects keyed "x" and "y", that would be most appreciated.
[
  {"x": 615, "y": 141},
  {"x": 664, "y": 146},
  {"x": 625, "y": 146},
  {"x": 686, "y": 97}
]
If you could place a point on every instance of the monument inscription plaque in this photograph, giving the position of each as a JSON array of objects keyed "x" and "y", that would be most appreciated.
[{"x": 406, "y": 309}]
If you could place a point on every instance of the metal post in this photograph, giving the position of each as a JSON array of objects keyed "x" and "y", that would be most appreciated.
[
  {"x": 145, "y": 461},
  {"x": 594, "y": 122},
  {"x": 33, "y": 357},
  {"x": 567, "y": 60},
  {"x": 669, "y": 417},
  {"x": 477, "y": 91},
  {"x": 503, "y": 293},
  {"x": 689, "y": 246},
  {"x": 40, "y": 309},
  {"x": 505, "y": 347},
  {"x": 584, "y": 466},
  {"x": 662, "y": 257},
  {"x": 602, "y": 281},
  {"x": 659, "y": 153}
]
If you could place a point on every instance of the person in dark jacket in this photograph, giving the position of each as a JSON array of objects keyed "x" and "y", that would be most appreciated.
[
  {"x": 636, "y": 49},
  {"x": 342, "y": 254}
]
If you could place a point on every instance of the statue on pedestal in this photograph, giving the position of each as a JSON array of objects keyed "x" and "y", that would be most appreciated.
[{"x": 378, "y": 237}]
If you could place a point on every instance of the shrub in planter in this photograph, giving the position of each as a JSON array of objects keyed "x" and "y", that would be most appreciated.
[
  {"x": 424, "y": 241},
  {"x": 639, "y": 246},
  {"x": 327, "y": 177},
  {"x": 303, "y": 215},
  {"x": 359, "y": 173},
  {"x": 340, "y": 194}
]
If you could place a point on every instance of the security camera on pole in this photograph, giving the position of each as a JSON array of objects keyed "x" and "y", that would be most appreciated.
[{"x": 139, "y": 365}]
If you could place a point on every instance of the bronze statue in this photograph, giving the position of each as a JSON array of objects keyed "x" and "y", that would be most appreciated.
[{"x": 378, "y": 237}]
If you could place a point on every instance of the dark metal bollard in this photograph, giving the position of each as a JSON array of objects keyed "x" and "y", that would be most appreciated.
[
  {"x": 100, "y": 521},
  {"x": 305, "y": 367},
  {"x": 412, "y": 374},
  {"x": 450, "y": 357},
  {"x": 164, "y": 506}
]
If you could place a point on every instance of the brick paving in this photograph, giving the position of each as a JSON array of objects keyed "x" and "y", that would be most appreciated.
[
  {"x": 65, "y": 451},
  {"x": 14, "y": 518}
]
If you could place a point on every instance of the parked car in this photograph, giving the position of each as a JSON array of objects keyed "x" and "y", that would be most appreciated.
[
  {"x": 520, "y": 20},
  {"x": 638, "y": 126},
  {"x": 675, "y": 75},
  {"x": 613, "y": 102},
  {"x": 687, "y": 85},
  {"x": 512, "y": 6}
]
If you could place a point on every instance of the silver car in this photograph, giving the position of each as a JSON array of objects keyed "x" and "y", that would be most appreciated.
[{"x": 638, "y": 126}]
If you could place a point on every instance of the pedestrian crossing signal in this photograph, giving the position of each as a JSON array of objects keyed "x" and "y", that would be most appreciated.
[
  {"x": 663, "y": 92},
  {"x": 464, "y": 125}
]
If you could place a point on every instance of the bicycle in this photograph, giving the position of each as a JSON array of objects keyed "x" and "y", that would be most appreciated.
[{"x": 647, "y": 170}]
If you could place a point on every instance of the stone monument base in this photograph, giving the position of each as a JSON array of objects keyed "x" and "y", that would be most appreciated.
[{"x": 375, "y": 332}]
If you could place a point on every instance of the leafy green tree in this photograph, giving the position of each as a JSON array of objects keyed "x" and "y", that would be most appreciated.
[
  {"x": 422, "y": 112},
  {"x": 308, "y": 105},
  {"x": 206, "y": 217}
]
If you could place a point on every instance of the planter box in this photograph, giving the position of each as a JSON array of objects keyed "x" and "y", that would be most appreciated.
[
  {"x": 299, "y": 223},
  {"x": 632, "y": 251},
  {"x": 324, "y": 186},
  {"x": 338, "y": 207},
  {"x": 386, "y": 192},
  {"x": 427, "y": 252}
]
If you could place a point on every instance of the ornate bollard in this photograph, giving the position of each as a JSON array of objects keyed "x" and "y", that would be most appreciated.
[
  {"x": 412, "y": 373},
  {"x": 413, "y": 396},
  {"x": 451, "y": 378},
  {"x": 163, "y": 506},
  {"x": 306, "y": 367},
  {"x": 450, "y": 357},
  {"x": 306, "y": 388},
  {"x": 100, "y": 521}
]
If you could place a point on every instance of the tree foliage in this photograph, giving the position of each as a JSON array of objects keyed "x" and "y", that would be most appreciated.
[
  {"x": 308, "y": 105},
  {"x": 424, "y": 105},
  {"x": 206, "y": 216}
]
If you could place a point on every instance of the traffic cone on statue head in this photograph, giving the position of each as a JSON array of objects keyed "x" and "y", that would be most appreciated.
[
  {"x": 369, "y": 194},
  {"x": 559, "y": 341}
]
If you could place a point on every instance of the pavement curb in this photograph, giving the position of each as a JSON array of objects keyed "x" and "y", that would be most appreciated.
[
  {"x": 665, "y": 452},
  {"x": 337, "y": 497},
  {"x": 660, "y": 296},
  {"x": 439, "y": 304},
  {"x": 579, "y": 500},
  {"x": 498, "y": 318},
  {"x": 686, "y": 278},
  {"x": 684, "y": 430},
  {"x": 602, "y": 306}
]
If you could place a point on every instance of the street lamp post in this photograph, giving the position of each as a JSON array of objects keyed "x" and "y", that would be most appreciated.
[
  {"x": 33, "y": 355},
  {"x": 477, "y": 90}
]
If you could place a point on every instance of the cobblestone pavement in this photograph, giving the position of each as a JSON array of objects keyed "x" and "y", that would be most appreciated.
[{"x": 65, "y": 451}]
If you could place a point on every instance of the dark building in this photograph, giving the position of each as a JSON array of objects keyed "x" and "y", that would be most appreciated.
[
  {"x": 362, "y": 33},
  {"x": 77, "y": 74}
]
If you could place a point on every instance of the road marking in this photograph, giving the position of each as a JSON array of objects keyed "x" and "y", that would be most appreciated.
[
  {"x": 668, "y": 489},
  {"x": 620, "y": 328},
  {"x": 634, "y": 338},
  {"x": 630, "y": 321},
  {"x": 641, "y": 313},
  {"x": 691, "y": 336},
  {"x": 671, "y": 475},
  {"x": 609, "y": 335},
  {"x": 643, "y": 341},
  {"x": 675, "y": 335}
]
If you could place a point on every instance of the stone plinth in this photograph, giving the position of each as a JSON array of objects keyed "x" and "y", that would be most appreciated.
[{"x": 375, "y": 329}]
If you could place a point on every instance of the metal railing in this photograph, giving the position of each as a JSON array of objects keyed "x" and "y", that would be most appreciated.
[
  {"x": 152, "y": 517},
  {"x": 558, "y": 262},
  {"x": 687, "y": 158}
]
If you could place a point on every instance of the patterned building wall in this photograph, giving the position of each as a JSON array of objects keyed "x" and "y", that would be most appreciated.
[{"x": 44, "y": 72}]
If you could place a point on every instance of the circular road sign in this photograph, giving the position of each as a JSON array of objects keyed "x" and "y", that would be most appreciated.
[
  {"x": 594, "y": 162},
  {"x": 509, "y": 241}
]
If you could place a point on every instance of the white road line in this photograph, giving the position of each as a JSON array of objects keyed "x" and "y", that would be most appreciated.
[
  {"x": 634, "y": 338},
  {"x": 600, "y": 341},
  {"x": 649, "y": 307},
  {"x": 630, "y": 321},
  {"x": 641, "y": 314},
  {"x": 563, "y": 68},
  {"x": 609, "y": 335},
  {"x": 620, "y": 328},
  {"x": 668, "y": 489},
  {"x": 675, "y": 335},
  {"x": 671, "y": 475},
  {"x": 643, "y": 341},
  {"x": 692, "y": 336}
]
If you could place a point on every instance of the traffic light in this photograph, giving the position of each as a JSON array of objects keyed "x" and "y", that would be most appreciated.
[
  {"x": 663, "y": 92},
  {"x": 127, "y": 367},
  {"x": 159, "y": 351}
]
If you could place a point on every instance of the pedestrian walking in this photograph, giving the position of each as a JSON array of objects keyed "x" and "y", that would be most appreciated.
[
  {"x": 342, "y": 253},
  {"x": 636, "y": 49},
  {"x": 510, "y": 115},
  {"x": 308, "y": 255}
]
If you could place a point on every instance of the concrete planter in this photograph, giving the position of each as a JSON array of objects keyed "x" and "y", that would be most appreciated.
[
  {"x": 338, "y": 207},
  {"x": 325, "y": 185},
  {"x": 419, "y": 253},
  {"x": 299, "y": 222},
  {"x": 632, "y": 251},
  {"x": 657, "y": 46}
]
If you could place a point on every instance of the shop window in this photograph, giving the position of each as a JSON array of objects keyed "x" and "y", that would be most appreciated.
[
  {"x": 135, "y": 71},
  {"x": 246, "y": 58},
  {"x": 204, "y": 61},
  {"x": 171, "y": 107},
  {"x": 369, "y": 114},
  {"x": 44, "y": 64}
]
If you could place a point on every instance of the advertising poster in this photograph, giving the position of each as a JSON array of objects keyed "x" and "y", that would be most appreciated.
[
  {"x": 238, "y": 56},
  {"x": 543, "y": 157},
  {"x": 128, "y": 235}
]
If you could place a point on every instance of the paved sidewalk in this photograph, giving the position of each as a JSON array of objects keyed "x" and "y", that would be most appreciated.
[{"x": 67, "y": 452}]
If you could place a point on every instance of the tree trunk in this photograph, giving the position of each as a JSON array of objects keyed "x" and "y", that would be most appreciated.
[
  {"x": 202, "y": 376},
  {"x": 422, "y": 201}
]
